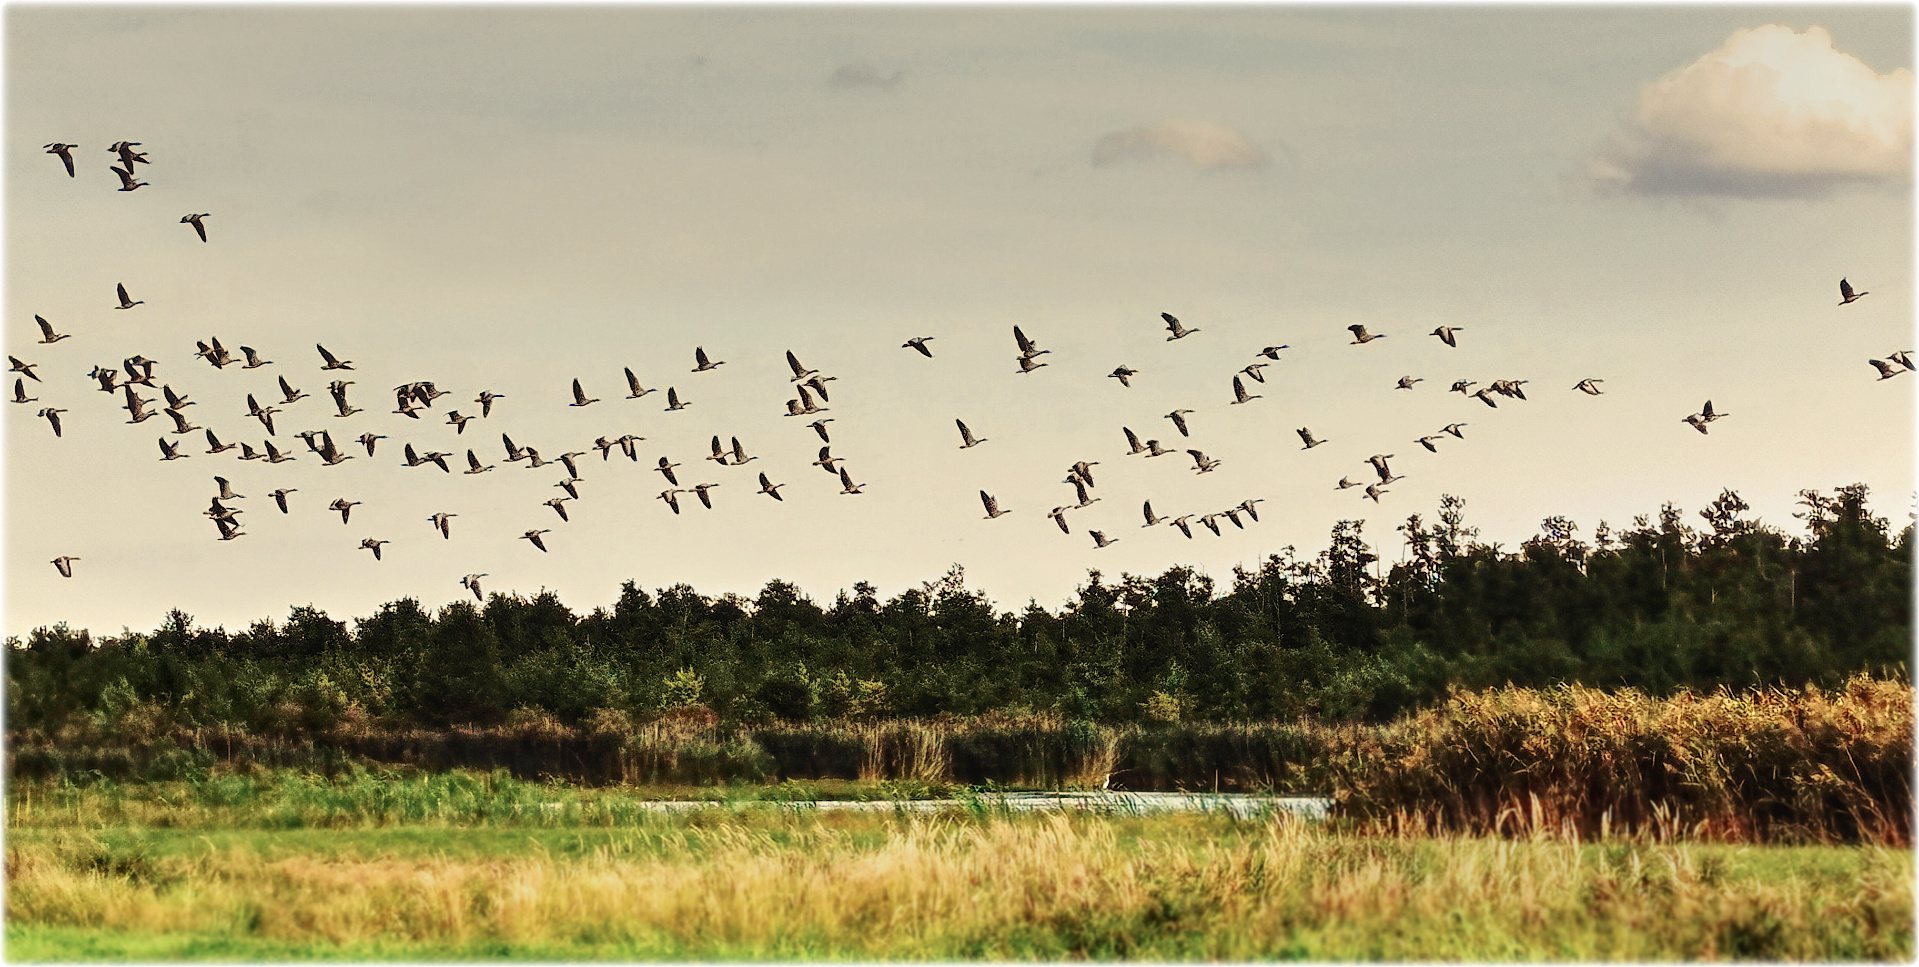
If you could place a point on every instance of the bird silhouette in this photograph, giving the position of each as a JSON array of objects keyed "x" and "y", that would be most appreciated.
[
  {"x": 1847, "y": 296},
  {"x": 992, "y": 506},
  {"x": 199, "y": 227},
  {"x": 1445, "y": 334},
  {"x": 967, "y": 440},
  {"x": 65, "y": 151},
  {"x": 126, "y": 303},
  {"x": 919, "y": 343},
  {"x": 47, "y": 335}
]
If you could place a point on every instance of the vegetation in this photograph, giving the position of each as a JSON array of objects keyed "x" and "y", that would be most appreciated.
[{"x": 781, "y": 885}]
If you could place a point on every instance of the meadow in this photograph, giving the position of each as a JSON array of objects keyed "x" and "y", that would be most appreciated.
[{"x": 469, "y": 866}]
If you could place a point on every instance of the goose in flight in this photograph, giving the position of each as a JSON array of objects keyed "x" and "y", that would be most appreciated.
[
  {"x": 1306, "y": 437},
  {"x": 1886, "y": 369},
  {"x": 559, "y": 505},
  {"x": 819, "y": 386},
  {"x": 126, "y": 303},
  {"x": 246, "y": 452},
  {"x": 1084, "y": 471},
  {"x": 534, "y": 536},
  {"x": 673, "y": 400},
  {"x": 215, "y": 446},
  {"x": 1846, "y": 295},
  {"x": 1058, "y": 514},
  {"x": 179, "y": 421},
  {"x": 666, "y": 469},
  {"x": 1179, "y": 420},
  {"x": 47, "y": 335},
  {"x": 263, "y": 414},
  {"x": 367, "y": 440},
  {"x": 65, "y": 151},
  {"x": 1360, "y": 335},
  {"x": 228, "y": 529},
  {"x": 1902, "y": 359},
  {"x": 442, "y": 522},
  {"x": 1153, "y": 449},
  {"x": 170, "y": 451},
  {"x": 459, "y": 422},
  {"x": 1480, "y": 395},
  {"x": 1079, "y": 486},
  {"x": 770, "y": 488},
  {"x": 199, "y": 227},
  {"x": 137, "y": 407},
  {"x": 1232, "y": 514},
  {"x": 1246, "y": 506},
  {"x": 1026, "y": 364},
  {"x": 1427, "y": 442},
  {"x": 1345, "y": 482},
  {"x": 1453, "y": 428},
  {"x": 1378, "y": 460},
  {"x": 344, "y": 506},
  {"x": 1696, "y": 422},
  {"x": 64, "y": 563},
  {"x": 1212, "y": 523},
  {"x": 20, "y": 392},
  {"x": 226, "y": 490},
  {"x": 699, "y": 356},
  {"x": 215, "y": 355},
  {"x": 486, "y": 398},
  {"x": 626, "y": 442},
  {"x": 1183, "y": 522},
  {"x": 579, "y": 396},
  {"x": 1590, "y": 387},
  {"x": 1152, "y": 519},
  {"x": 819, "y": 427},
  {"x": 274, "y": 455},
  {"x": 633, "y": 388},
  {"x": 1124, "y": 374},
  {"x": 514, "y": 453},
  {"x": 566, "y": 460},
  {"x": 739, "y": 453},
  {"x": 106, "y": 376},
  {"x": 1203, "y": 463},
  {"x": 719, "y": 453},
  {"x": 280, "y": 497},
  {"x": 1271, "y": 352},
  {"x": 25, "y": 369},
  {"x": 967, "y": 439},
  {"x": 1706, "y": 413},
  {"x": 1027, "y": 348},
  {"x": 700, "y": 491},
  {"x": 1172, "y": 325},
  {"x": 374, "y": 546},
  {"x": 1462, "y": 387},
  {"x": 825, "y": 462},
  {"x": 847, "y": 486},
  {"x": 1253, "y": 371},
  {"x": 800, "y": 373},
  {"x": 1101, "y": 540},
  {"x": 472, "y": 583},
  {"x": 338, "y": 389},
  {"x": 253, "y": 358},
  {"x": 605, "y": 446},
  {"x": 992, "y": 506},
  {"x": 1406, "y": 382},
  {"x": 672, "y": 498},
  {"x": 1239, "y": 393},
  {"x": 1510, "y": 387},
  {"x": 1132, "y": 442},
  {"x": 331, "y": 362},
  {"x": 571, "y": 486},
  {"x": 1445, "y": 334},
  {"x": 919, "y": 343},
  {"x": 128, "y": 156},
  {"x": 1373, "y": 491},
  {"x": 127, "y": 181},
  {"x": 292, "y": 395}
]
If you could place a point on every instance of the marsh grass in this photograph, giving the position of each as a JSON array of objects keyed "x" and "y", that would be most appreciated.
[{"x": 774, "y": 884}]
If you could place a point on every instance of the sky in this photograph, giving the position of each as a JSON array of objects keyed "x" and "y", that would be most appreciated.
[{"x": 510, "y": 198}]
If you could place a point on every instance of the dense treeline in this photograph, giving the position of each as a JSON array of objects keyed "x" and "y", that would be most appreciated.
[{"x": 1339, "y": 636}]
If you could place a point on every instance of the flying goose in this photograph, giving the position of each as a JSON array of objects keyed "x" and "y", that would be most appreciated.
[
  {"x": 1708, "y": 415},
  {"x": 126, "y": 303},
  {"x": 344, "y": 506},
  {"x": 1247, "y": 506},
  {"x": 127, "y": 155},
  {"x": 1079, "y": 486},
  {"x": 699, "y": 356},
  {"x": 106, "y": 378},
  {"x": 179, "y": 421},
  {"x": 228, "y": 529},
  {"x": 666, "y": 469},
  {"x": 255, "y": 410},
  {"x": 215, "y": 446},
  {"x": 1132, "y": 442},
  {"x": 1696, "y": 422},
  {"x": 566, "y": 460},
  {"x": 1183, "y": 523},
  {"x": 472, "y": 583},
  {"x": 273, "y": 454},
  {"x": 626, "y": 442},
  {"x": 1373, "y": 491},
  {"x": 1306, "y": 437},
  {"x": 919, "y": 343},
  {"x": 1427, "y": 442},
  {"x": 1453, "y": 428},
  {"x": 1406, "y": 382},
  {"x": 1153, "y": 449},
  {"x": 1886, "y": 369},
  {"x": 1445, "y": 334},
  {"x": 1378, "y": 460},
  {"x": 770, "y": 488},
  {"x": 1124, "y": 374},
  {"x": 1058, "y": 514},
  {"x": 1027, "y": 348},
  {"x": 1462, "y": 387},
  {"x": 819, "y": 427},
  {"x": 47, "y": 335},
  {"x": 1152, "y": 519},
  {"x": 219, "y": 511},
  {"x": 1846, "y": 295},
  {"x": 513, "y": 453},
  {"x": 633, "y": 388},
  {"x": 992, "y": 506},
  {"x": 246, "y": 452},
  {"x": 672, "y": 499},
  {"x": 367, "y": 440},
  {"x": 1480, "y": 395},
  {"x": 534, "y": 536},
  {"x": 127, "y": 181},
  {"x": 20, "y": 392},
  {"x": 280, "y": 497},
  {"x": 1026, "y": 364},
  {"x": 559, "y": 505},
  {"x": 454, "y": 418},
  {"x": 292, "y": 395},
  {"x": 25, "y": 369},
  {"x": 579, "y": 396},
  {"x": 1271, "y": 352},
  {"x": 1902, "y": 359},
  {"x": 1360, "y": 335},
  {"x": 136, "y": 406},
  {"x": 199, "y": 227},
  {"x": 1253, "y": 371},
  {"x": 226, "y": 490},
  {"x": 1203, "y": 463},
  {"x": 847, "y": 486},
  {"x": 170, "y": 451},
  {"x": 1232, "y": 514},
  {"x": 486, "y": 398},
  {"x": 605, "y": 446},
  {"x": 1084, "y": 470},
  {"x": 825, "y": 462},
  {"x": 331, "y": 362},
  {"x": 1510, "y": 387},
  {"x": 65, "y": 151},
  {"x": 1212, "y": 523},
  {"x": 64, "y": 563},
  {"x": 1590, "y": 387},
  {"x": 700, "y": 491},
  {"x": 1172, "y": 325},
  {"x": 673, "y": 400},
  {"x": 374, "y": 546},
  {"x": 739, "y": 453},
  {"x": 330, "y": 455},
  {"x": 1345, "y": 482},
  {"x": 1101, "y": 540},
  {"x": 1239, "y": 393},
  {"x": 719, "y": 453},
  {"x": 572, "y": 487},
  {"x": 819, "y": 386},
  {"x": 1179, "y": 420},
  {"x": 800, "y": 373}
]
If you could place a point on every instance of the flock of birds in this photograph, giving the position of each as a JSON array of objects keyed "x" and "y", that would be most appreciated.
[{"x": 808, "y": 385}]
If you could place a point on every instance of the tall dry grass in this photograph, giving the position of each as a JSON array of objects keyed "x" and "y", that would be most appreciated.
[{"x": 951, "y": 888}]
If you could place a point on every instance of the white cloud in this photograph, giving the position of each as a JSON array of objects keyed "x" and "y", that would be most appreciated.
[
  {"x": 1770, "y": 113},
  {"x": 1202, "y": 143}
]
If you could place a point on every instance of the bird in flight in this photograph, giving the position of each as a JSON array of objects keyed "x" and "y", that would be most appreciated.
[
  {"x": 1172, "y": 325},
  {"x": 1406, "y": 382},
  {"x": 1360, "y": 335},
  {"x": 442, "y": 522},
  {"x": 534, "y": 536},
  {"x": 1445, "y": 334},
  {"x": 919, "y": 343},
  {"x": 1203, "y": 463},
  {"x": 1124, "y": 374},
  {"x": 1179, "y": 420},
  {"x": 64, "y": 563},
  {"x": 1239, "y": 392},
  {"x": 374, "y": 546},
  {"x": 699, "y": 356},
  {"x": 579, "y": 396},
  {"x": 472, "y": 583},
  {"x": 1306, "y": 437},
  {"x": 65, "y": 151},
  {"x": 770, "y": 488},
  {"x": 1886, "y": 369},
  {"x": 126, "y": 303},
  {"x": 344, "y": 506},
  {"x": 1590, "y": 387},
  {"x": 967, "y": 440},
  {"x": 1847, "y": 296},
  {"x": 331, "y": 362},
  {"x": 47, "y": 335},
  {"x": 199, "y": 227},
  {"x": 1272, "y": 352},
  {"x": 127, "y": 181},
  {"x": 1101, "y": 540},
  {"x": 992, "y": 506}
]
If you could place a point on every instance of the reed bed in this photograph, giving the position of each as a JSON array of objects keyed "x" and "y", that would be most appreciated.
[{"x": 961, "y": 887}]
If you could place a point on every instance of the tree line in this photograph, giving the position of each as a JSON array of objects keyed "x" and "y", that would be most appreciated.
[{"x": 1340, "y": 635}]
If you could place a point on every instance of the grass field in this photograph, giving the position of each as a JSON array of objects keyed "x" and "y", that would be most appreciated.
[{"x": 483, "y": 867}]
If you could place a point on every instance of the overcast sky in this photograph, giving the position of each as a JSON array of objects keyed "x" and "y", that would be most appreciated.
[{"x": 507, "y": 199}]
